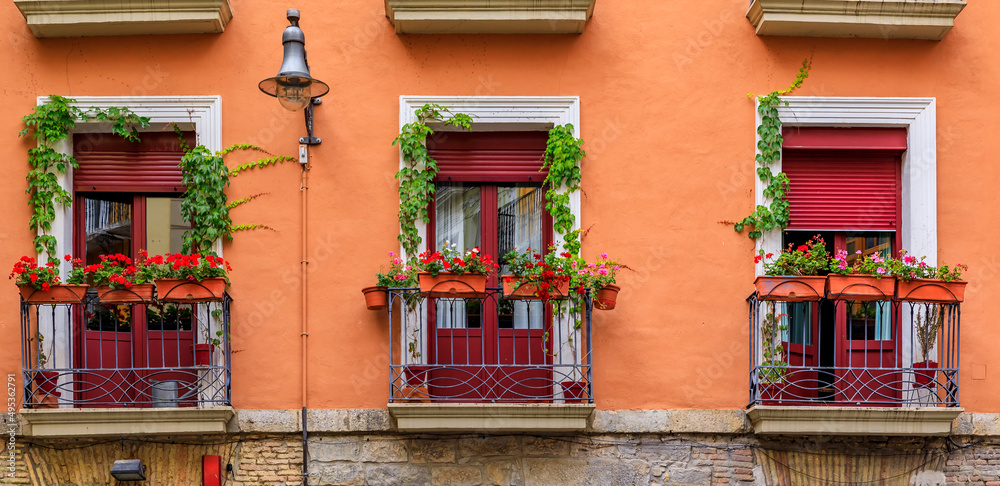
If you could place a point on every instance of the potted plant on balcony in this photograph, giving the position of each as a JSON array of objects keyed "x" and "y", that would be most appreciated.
[
  {"x": 400, "y": 275},
  {"x": 450, "y": 273},
  {"x": 204, "y": 350},
  {"x": 40, "y": 285},
  {"x": 794, "y": 276},
  {"x": 927, "y": 322},
  {"x": 773, "y": 367},
  {"x": 599, "y": 276},
  {"x": 535, "y": 276},
  {"x": 919, "y": 282},
  {"x": 869, "y": 278},
  {"x": 417, "y": 375},
  {"x": 186, "y": 278},
  {"x": 45, "y": 395},
  {"x": 118, "y": 280}
]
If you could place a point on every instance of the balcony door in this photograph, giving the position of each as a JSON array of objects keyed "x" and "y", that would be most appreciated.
[
  {"x": 127, "y": 198},
  {"x": 489, "y": 196}
]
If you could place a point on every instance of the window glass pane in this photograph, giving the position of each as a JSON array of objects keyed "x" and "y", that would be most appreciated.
[
  {"x": 869, "y": 320},
  {"x": 108, "y": 225},
  {"x": 458, "y": 217},
  {"x": 519, "y": 225},
  {"x": 164, "y": 225},
  {"x": 799, "y": 323}
]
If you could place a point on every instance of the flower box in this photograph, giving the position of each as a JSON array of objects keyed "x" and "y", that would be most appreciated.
[
  {"x": 57, "y": 294},
  {"x": 376, "y": 298},
  {"x": 183, "y": 290},
  {"x": 860, "y": 287},
  {"x": 138, "y": 293},
  {"x": 453, "y": 286},
  {"x": 790, "y": 287},
  {"x": 928, "y": 290},
  {"x": 529, "y": 291}
]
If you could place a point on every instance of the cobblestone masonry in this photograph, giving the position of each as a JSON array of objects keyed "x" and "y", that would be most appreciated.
[{"x": 604, "y": 459}]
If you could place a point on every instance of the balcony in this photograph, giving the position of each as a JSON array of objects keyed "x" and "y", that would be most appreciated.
[
  {"x": 72, "y": 18},
  {"x": 489, "y": 17},
  {"x": 489, "y": 362},
  {"x": 100, "y": 368},
  {"x": 838, "y": 366},
  {"x": 876, "y": 19}
]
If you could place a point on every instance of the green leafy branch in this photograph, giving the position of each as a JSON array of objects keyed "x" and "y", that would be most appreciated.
[
  {"x": 775, "y": 215},
  {"x": 50, "y": 123},
  {"x": 416, "y": 177},
  {"x": 563, "y": 154},
  {"x": 260, "y": 163},
  {"x": 247, "y": 227},
  {"x": 246, "y": 199}
]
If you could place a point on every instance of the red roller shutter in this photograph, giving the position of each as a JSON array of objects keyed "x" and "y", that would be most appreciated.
[
  {"x": 843, "y": 179},
  {"x": 488, "y": 156},
  {"x": 110, "y": 164},
  {"x": 842, "y": 192}
]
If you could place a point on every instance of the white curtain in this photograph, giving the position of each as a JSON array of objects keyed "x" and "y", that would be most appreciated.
[
  {"x": 457, "y": 223},
  {"x": 520, "y": 224}
]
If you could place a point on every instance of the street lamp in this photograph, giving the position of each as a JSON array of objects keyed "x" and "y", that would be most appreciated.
[{"x": 293, "y": 86}]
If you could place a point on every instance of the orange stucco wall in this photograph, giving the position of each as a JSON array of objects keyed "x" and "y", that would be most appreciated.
[{"x": 670, "y": 138}]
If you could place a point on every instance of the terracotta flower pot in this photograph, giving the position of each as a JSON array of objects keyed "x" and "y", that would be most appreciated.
[
  {"x": 414, "y": 394},
  {"x": 928, "y": 290},
  {"x": 183, "y": 290},
  {"x": 57, "y": 294},
  {"x": 376, "y": 298},
  {"x": 574, "y": 391},
  {"x": 45, "y": 400},
  {"x": 138, "y": 293},
  {"x": 607, "y": 297},
  {"x": 203, "y": 354},
  {"x": 860, "y": 287},
  {"x": 529, "y": 291},
  {"x": 417, "y": 375},
  {"x": 47, "y": 381},
  {"x": 790, "y": 287},
  {"x": 927, "y": 375},
  {"x": 453, "y": 286}
]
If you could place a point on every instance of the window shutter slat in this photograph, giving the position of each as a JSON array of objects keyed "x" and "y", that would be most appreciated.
[
  {"x": 488, "y": 156},
  {"x": 842, "y": 191},
  {"x": 109, "y": 164}
]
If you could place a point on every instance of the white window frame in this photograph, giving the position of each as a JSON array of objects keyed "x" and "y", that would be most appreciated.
[{"x": 918, "y": 228}]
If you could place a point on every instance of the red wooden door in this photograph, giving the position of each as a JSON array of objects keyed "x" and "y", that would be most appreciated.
[
  {"x": 489, "y": 196},
  {"x": 127, "y": 200},
  {"x": 801, "y": 351}
]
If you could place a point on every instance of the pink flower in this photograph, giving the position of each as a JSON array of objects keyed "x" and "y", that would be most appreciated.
[
  {"x": 842, "y": 265},
  {"x": 401, "y": 277},
  {"x": 392, "y": 254},
  {"x": 604, "y": 255},
  {"x": 581, "y": 272},
  {"x": 603, "y": 271},
  {"x": 880, "y": 270}
]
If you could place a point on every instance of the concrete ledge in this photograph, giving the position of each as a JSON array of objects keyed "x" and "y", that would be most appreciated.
[
  {"x": 879, "y": 19},
  {"x": 93, "y": 422},
  {"x": 489, "y": 16},
  {"x": 488, "y": 417},
  {"x": 74, "y": 18},
  {"x": 852, "y": 420}
]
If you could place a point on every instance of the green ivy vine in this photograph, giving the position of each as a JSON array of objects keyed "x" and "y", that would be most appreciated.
[
  {"x": 563, "y": 154},
  {"x": 775, "y": 215},
  {"x": 50, "y": 123},
  {"x": 416, "y": 178},
  {"x": 205, "y": 201}
]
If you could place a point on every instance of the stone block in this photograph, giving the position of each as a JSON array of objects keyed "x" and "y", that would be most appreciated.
[
  {"x": 457, "y": 476},
  {"x": 539, "y": 446},
  {"x": 606, "y": 472},
  {"x": 383, "y": 450},
  {"x": 488, "y": 446},
  {"x": 502, "y": 473},
  {"x": 680, "y": 476},
  {"x": 334, "y": 449},
  {"x": 631, "y": 421},
  {"x": 549, "y": 471},
  {"x": 396, "y": 474},
  {"x": 432, "y": 450}
]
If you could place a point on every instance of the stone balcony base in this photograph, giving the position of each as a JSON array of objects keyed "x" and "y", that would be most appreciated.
[
  {"x": 94, "y": 422},
  {"x": 933, "y": 421}
]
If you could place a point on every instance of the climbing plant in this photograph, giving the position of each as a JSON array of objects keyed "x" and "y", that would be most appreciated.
[
  {"x": 48, "y": 124},
  {"x": 775, "y": 215},
  {"x": 563, "y": 154},
  {"x": 416, "y": 177},
  {"x": 205, "y": 202}
]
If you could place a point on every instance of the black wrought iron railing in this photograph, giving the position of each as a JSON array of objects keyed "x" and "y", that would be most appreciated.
[
  {"x": 125, "y": 354},
  {"x": 833, "y": 352},
  {"x": 489, "y": 349}
]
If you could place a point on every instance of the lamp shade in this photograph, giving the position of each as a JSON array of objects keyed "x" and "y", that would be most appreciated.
[{"x": 293, "y": 86}]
